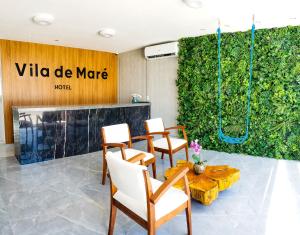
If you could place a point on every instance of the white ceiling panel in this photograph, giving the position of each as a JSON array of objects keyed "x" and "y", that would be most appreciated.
[{"x": 138, "y": 23}]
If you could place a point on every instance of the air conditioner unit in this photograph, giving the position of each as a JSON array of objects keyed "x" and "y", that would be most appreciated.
[{"x": 161, "y": 51}]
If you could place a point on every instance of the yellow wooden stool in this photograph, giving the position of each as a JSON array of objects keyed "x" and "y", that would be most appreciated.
[
  {"x": 203, "y": 189},
  {"x": 206, "y": 186},
  {"x": 225, "y": 175}
]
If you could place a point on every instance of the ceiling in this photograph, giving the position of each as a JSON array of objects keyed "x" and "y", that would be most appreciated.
[{"x": 138, "y": 23}]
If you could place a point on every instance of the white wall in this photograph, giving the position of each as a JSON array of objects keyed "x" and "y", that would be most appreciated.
[
  {"x": 162, "y": 90},
  {"x": 155, "y": 79},
  {"x": 132, "y": 75}
]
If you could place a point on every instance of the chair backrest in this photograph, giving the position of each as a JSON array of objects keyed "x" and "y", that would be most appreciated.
[
  {"x": 116, "y": 133},
  {"x": 155, "y": 125},
  {"x": 127, "y": 177}
]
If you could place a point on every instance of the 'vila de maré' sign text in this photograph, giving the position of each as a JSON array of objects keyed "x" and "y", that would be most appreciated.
[{"x": 33, "y": 70}]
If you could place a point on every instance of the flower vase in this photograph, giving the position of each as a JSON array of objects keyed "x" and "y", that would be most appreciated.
[{"x": 198, "y": 169}]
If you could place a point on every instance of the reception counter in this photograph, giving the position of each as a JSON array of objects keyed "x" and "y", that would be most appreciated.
[{"x": 45, "y": 133}]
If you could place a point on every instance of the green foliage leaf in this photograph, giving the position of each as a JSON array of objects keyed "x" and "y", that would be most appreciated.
[{"x": 275, "y": 98}]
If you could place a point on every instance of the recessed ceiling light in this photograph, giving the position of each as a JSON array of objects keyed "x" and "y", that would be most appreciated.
[
  {"x": 43, "y": 19},
  {"x": 107, "y": 33},
  {"x": 226, "y": 25},
  {"x": 193, "y": 3},
  {"x": 292, "y": 18},
  {"x": 202, "y": 29}
]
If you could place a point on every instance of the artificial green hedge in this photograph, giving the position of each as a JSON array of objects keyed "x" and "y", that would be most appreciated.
[{"x": 275, "y": 99}]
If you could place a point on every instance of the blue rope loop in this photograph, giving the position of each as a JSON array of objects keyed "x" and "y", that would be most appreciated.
[{"x": 222, "y": 136}]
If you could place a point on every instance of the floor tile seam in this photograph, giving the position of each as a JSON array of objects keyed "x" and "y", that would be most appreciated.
[
  {"x": 5, "y": 167},
  {"x": 36, "y": 216},
  {"x": 99, "y": 190},
  {"x": 18, "y": 176},
  {"x": 131, "y": 225},
  {"x": 81, "y": 184},
  {"x": 84, "y": 198},
  {"x": 225, "y": 214},
  {"x": 77, "y": 223},
  {"x": 9, "y": 179},
  {"x": 93, "y": 202},
  {"x": 83, "y": 168},
  {"x": 87, "y": 169},
  {"x": 4, "y": 211},
  {"x": 75, "y": 185},
  {"x": 44, "y": 210},
  {"x": 52, "y": 163},
  {"x": 36, "y": 189},
  {"x": 10, "y": 224},
  {"x": 30, "y": 217}
]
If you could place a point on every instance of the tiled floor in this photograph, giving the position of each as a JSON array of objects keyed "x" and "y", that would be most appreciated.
[
  {"x": 65, "y": 196},
  {"x": 7, "y": 150}
]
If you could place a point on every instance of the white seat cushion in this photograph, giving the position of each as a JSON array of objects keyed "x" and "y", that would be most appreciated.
[
  {"x": 172, "y": 199},
  {"x": 133, "y": 152},
  {"x": 162, "y": 143}
]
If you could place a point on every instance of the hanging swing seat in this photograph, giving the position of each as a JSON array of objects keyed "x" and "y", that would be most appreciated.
[{"x": 223, "y": 137}]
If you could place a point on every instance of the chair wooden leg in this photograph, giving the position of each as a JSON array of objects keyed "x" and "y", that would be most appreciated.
[
  {"x": 187, "y": 152},
  {"x": 189, "y": 218},
  {"x": 112, "y": 219},
  {"x": 104, "y": 170},
  {"x": 151, "y": 228},
  {"x": 154, "y": 170},
  {"x": 162, "y": 155},
  {"x": 171, "y": 159}
]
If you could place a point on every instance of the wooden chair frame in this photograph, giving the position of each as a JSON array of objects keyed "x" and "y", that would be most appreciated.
[
  {"x": 122, "y": 146},
  {"x": 170, "y": 151},
  {"x": 152, "y": 198}
]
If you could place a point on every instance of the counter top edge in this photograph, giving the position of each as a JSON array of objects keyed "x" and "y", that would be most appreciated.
[{"x": 21, "y": 109}]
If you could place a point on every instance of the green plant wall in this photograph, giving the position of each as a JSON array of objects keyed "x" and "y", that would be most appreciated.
[{"x": 275, "y": 98}]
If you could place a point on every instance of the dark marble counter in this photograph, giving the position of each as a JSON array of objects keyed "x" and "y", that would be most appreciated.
[{"x": 45, "y": 133}]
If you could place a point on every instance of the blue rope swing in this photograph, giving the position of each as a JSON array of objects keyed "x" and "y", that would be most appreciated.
[{"x": 222, "y": 136}]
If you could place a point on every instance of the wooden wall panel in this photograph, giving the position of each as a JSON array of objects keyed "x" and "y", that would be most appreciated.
[{"x": 27, "y": 90}]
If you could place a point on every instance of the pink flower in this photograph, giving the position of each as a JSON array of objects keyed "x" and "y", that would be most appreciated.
[
  {"x": 196, "y": 147},
  {"x": 192, "y": 144}
]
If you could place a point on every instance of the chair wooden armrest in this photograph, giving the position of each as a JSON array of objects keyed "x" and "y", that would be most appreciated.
[
  {"x": 149, "y": 139},
  {"x": 175, "y": 127},
  {"x": 142, "y": 137},
  {"x": 169, "y": 183},
  {"x": 182, "y": 128},
  {"x": 163, "y": 133},
  {"x": 139, "y": 157},
  {"x": 114, "y": 145}
]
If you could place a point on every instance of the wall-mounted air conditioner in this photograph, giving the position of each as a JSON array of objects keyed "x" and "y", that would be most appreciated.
[{"x": 161, "y": 51}]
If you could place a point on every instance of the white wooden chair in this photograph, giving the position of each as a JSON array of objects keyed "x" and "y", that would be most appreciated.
[
  {"x": 146, "y": 200},
  {"x": 166, "y": 144},
  {"x": 118, "y": 136}
]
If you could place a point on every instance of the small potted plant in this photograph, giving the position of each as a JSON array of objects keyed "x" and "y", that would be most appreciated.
[{"x": 199, "y": 165}]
